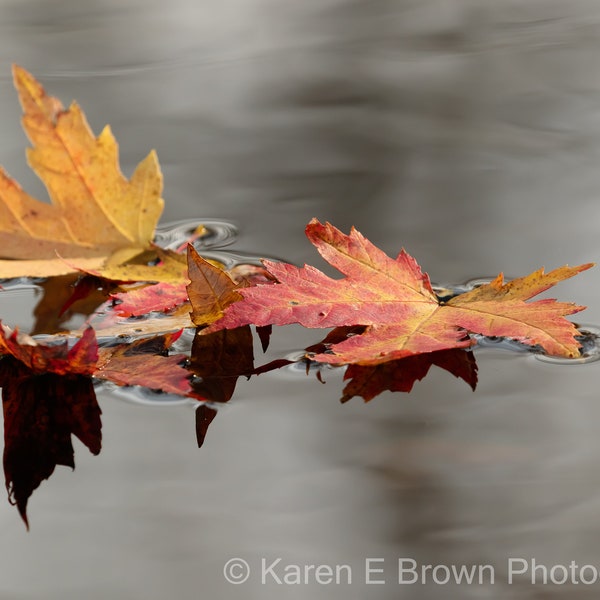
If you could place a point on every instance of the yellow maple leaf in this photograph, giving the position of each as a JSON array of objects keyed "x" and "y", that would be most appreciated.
[{"x": 95, "y": 210}]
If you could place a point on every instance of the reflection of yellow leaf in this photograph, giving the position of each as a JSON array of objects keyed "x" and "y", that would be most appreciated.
[
  {"x": 94, "y": 209},
  {"x": 123, "y": 327}
]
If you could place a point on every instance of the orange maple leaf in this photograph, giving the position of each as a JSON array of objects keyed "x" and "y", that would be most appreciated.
[
  {"x": 393, "y": 298},
  {"x": 210, "y": 290},
  {"x": 94, "y": 212}
]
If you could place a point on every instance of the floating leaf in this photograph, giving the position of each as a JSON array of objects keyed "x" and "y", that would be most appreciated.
[
  {"x": 160, "y": 297},
  {"x": 95, "y": 210},
  {"x": 394, "y": 300},
  {"x": 145, "y": 362},
  {"x": 47, "y": 395},
  {"x": 155, "y": 264},
  {"x": 41, "y": 412},
  {"x": 211, "y": 289},
  {"x": 56, "y": 358}
]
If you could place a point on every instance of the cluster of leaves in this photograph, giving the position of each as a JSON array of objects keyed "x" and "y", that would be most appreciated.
[{"x": 93, "y": 246}]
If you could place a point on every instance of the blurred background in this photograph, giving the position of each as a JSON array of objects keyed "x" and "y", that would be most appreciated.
[{"x": 467, "y": 132}]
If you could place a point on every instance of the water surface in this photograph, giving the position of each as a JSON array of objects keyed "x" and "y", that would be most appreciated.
[{"x": 467, "y": 133}]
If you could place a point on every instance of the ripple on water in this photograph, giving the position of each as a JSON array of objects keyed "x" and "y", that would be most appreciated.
[
  {"x": 446, "y": 291},
  {"x": 218, "y": 234},
  {"x": 589, "y": 338},
  {"x": 141, "y": 395}
]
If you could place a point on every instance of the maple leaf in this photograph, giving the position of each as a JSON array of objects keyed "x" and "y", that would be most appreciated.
[
  {"x": 47, "y": 395},
  {"x": 56, "y": 358},
  {"x": 170, "y": 292},
  {"x": 144, "y": 362},
  {"x": 41, "y": 412},
  {"x": 154, "y": 265},
  {"x": 160, "y": 297},
  {"x": 211, "y": 290},
  {"x": 95, "y": 211},
  {"x": 393, "y": 298}
]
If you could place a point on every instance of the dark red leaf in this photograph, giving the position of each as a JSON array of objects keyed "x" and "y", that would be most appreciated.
[{"x": 40, "y": 414}]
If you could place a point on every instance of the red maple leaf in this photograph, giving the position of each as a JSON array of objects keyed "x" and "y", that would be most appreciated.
[
  {"x": 393, "y": 298},
  {"x": 158, "y": 297},
  {"x": 55, "y": 358},
  {"x": 47, "y": 396},
  {"x": 145, "y": 362}
]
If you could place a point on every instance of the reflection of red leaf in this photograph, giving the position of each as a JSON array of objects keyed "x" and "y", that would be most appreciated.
[
  {"x": 204, "y": 417},
  {"x": 264, "y": 335},
  {"x": 40, "y": 414},
  {"x": 144, "y": 362},
  {"x": 335, "y": 336},
  {"x": 400, "y": 375},
  {"x": 158, "y": 297},
  {"x": 219, "y": 359}
]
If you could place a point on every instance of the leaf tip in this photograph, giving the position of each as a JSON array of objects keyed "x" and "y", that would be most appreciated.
[
  {"x": 19, "y": 73},
  {"x": 587, "y": 266},
  {"x": 25, "y": 83}
]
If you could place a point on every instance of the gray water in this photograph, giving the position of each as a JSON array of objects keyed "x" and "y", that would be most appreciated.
[{"x": 467, "y": 132}]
